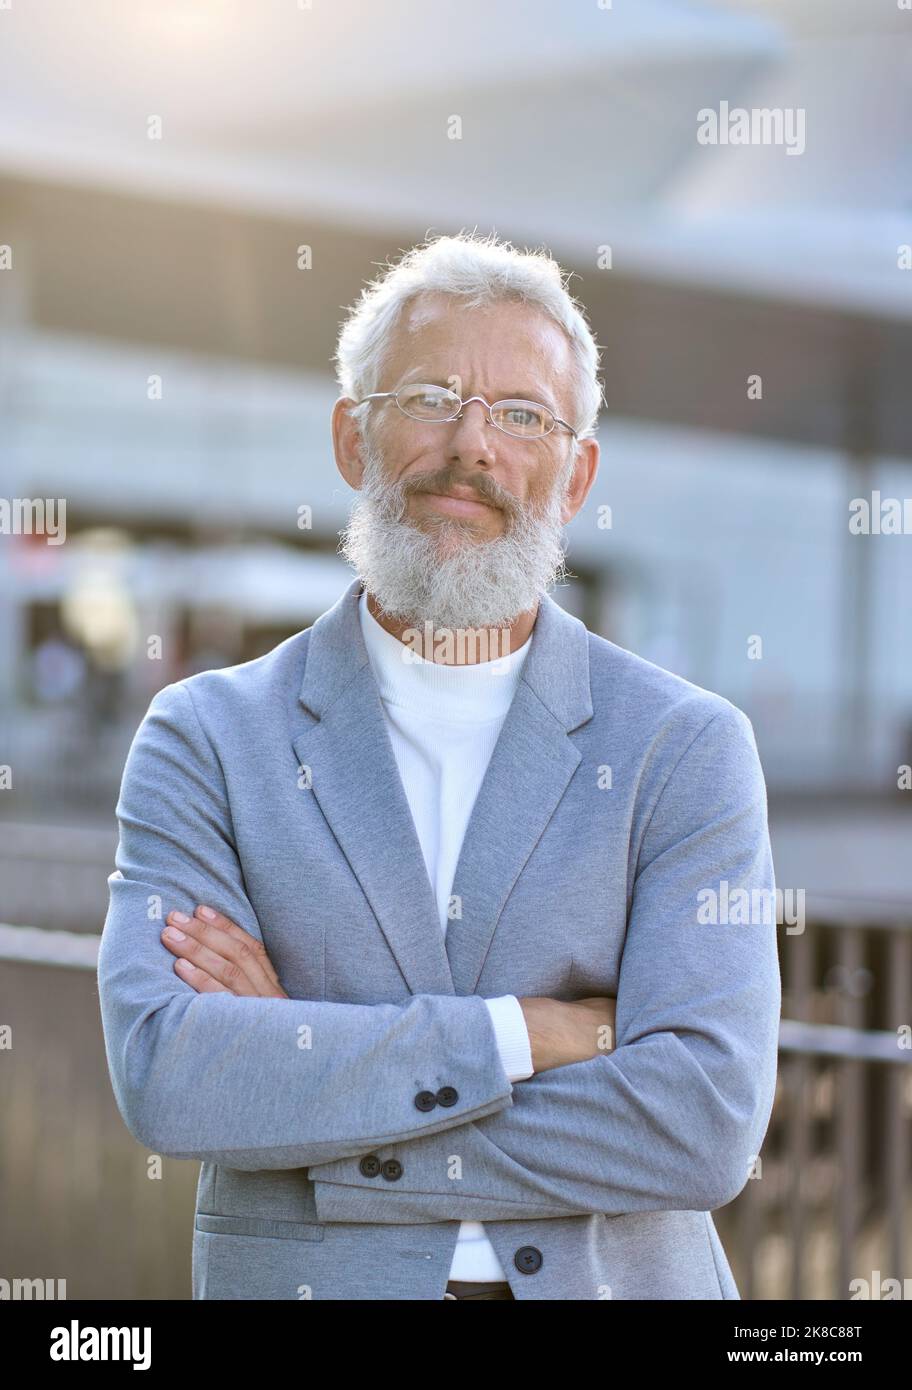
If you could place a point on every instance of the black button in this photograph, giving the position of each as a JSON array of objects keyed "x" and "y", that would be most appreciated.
[
  {"x": 527, "y": 1259},
  {"x": 370, "y": 1165},
  {"x": 425, "y": 1100},
  {"x": 392, "y": 1169},
  {"x": 447, "y": 1095}
]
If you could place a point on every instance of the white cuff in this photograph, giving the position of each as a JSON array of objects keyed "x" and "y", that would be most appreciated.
[{"x": 512, "y": 1036}]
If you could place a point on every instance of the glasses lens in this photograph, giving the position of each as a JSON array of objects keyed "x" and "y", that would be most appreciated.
[
  {"x": 428, "y": 402},
  {"x": 523, "y": 418}
]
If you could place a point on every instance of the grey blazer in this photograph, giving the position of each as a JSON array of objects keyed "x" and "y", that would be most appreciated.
[{"x": 344, "y": 1132}]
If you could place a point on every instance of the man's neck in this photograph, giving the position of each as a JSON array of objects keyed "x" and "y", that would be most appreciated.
[{"x": 462, "y": 646}]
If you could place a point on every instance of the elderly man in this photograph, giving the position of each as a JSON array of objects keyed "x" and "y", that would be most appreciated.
[{"x": 408, "y": 938}]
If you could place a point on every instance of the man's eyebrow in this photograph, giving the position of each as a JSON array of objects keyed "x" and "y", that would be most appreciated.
[{"x": 535, "y": 397}]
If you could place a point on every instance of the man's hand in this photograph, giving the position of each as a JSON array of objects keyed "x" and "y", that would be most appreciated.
[
  {"x": 216, "y": 956},
  {"x": 561, "y": 1033}
]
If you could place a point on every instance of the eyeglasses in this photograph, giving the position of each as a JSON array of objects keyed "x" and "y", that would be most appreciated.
[{"x": 437, "y": 405}]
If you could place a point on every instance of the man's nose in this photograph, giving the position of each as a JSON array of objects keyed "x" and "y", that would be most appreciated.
[{"x": 473, "y": 436}]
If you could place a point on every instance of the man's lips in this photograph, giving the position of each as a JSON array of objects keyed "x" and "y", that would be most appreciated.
[{"x": 458, "y": 504}]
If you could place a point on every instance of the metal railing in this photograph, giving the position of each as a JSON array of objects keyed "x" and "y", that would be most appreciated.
[{"x": 828, "y": 1212}]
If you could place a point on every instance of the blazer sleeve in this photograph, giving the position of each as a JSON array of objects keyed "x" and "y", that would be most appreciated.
[
  {"x": 252, "y": 1083},
  {"x": 673, "y": 1117}
]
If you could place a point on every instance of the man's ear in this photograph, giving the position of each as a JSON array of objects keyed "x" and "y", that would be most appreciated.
[
  {"x": 585, "y": 469},
  {"x": 348, "y": 446}
]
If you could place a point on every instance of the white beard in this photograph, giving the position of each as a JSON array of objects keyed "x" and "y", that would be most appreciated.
[{"x": 445, "y": 575}]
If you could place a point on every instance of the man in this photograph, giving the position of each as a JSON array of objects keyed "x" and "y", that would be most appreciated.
[{"x": 418, "y": 860}]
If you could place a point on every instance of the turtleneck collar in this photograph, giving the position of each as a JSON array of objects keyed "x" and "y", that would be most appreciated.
[{"x": 465, "y": 693}]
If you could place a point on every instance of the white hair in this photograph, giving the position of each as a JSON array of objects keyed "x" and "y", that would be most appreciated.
[{"x": 481, "y": 271}]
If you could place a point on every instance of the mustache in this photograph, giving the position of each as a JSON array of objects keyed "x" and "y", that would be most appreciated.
[{"x": 444, "y": 480}]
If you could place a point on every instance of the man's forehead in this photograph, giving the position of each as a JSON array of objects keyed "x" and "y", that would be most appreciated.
[{"x": 440, "y": 328}]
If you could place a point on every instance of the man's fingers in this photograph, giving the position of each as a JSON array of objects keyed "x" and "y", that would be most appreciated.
[
  {"x": 191, "y": 947},
  {"x": 225, "y": 924},
  {"x": 201, "y": 982},
  {"x": 230, "y": 962},
  {"x": 226, "y": 952}
]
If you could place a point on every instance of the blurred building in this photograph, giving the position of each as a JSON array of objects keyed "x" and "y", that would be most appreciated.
[{"x": 166, "y": 358}]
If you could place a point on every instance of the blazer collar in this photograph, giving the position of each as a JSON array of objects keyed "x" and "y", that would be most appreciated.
[{"x": 353, "y": 774}]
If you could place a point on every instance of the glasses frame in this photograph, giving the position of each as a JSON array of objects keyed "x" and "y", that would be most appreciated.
[{"x": 394, "y": 395}]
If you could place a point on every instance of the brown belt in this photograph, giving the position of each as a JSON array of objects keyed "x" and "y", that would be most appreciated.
[{"x": 462, "y": 1288}]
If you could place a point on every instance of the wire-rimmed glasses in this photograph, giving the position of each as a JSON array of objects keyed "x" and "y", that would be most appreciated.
[{"x": 438, "y": 405}]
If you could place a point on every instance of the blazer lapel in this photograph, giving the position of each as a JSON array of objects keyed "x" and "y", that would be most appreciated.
[
  {"x": 356, "y": 781},
  {"x": 355, "y": 778}
]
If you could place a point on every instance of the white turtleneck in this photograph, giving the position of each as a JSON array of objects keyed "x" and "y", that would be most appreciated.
[{"x": 443, "y": 723}]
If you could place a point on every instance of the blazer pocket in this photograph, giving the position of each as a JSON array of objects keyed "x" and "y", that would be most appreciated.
[{"x": 258, "y": 1226}]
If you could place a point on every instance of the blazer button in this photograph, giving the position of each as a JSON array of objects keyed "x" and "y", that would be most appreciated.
[
  {"x": 527, "y": 1259},
  {"x": 392, "y": 1169},
  {"x": 425, "y": 1100},
  {"x": 370, "y": 1165},
  {"x": 447, "y": 1095}
]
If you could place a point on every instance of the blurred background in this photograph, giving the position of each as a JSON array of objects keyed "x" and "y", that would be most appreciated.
[{"x": 191, "y": 194}]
